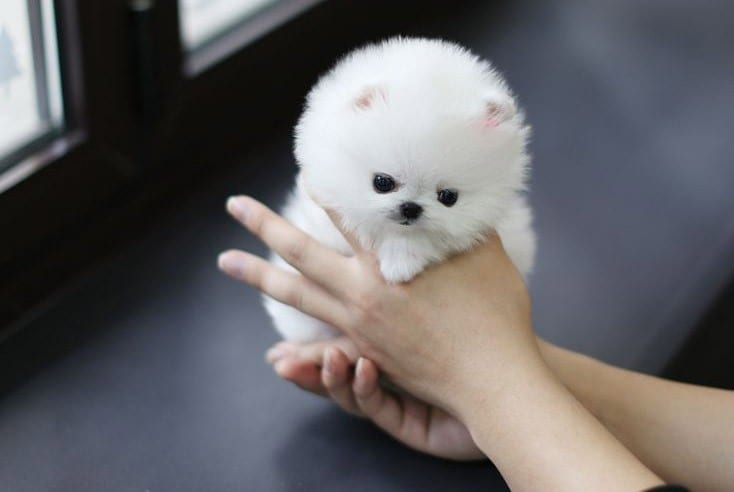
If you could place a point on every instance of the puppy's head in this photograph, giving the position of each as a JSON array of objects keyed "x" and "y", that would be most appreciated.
[{"x": 413, "y": 137}]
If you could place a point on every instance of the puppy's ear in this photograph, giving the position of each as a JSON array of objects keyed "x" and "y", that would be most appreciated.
[
  {"x": 498, "y": 108},
  {"x": 368, "y": 96}
]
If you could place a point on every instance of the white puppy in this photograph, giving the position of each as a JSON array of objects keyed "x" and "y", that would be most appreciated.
[{"x": 419, "y": 146}]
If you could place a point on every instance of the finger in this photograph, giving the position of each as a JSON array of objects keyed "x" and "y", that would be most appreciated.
[
  {"x": 287, "y": 287},
  {"x": 383, "y": 408},
  {"x": 408, "y": 420},
  {"x": 336, "y": 378},
  {"x": 314, "y": 352},
  {"x": 403, "y": 417},
  {"x": 335, "y": 219},
  {"x": 348, "y": 235},
  {"x": 305, "y": 375},
  {"x": 323, "y": 265}
]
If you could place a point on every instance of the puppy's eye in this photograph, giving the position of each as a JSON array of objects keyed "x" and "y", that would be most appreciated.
[
  {"x": 448, "y": 197},
  {"x": 383, "y": 183}
]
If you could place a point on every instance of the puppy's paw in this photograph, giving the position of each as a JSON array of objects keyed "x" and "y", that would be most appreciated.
[{"x": 397, "y": 268}]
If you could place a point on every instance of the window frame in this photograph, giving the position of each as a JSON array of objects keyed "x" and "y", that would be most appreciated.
[
  {"x": 231, "y": 39},
  {"x": 44, "y": 136},
  {"x": 135, "y": 113}
]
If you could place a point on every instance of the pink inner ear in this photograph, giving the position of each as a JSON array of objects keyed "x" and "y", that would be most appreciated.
[
  {"x": 367, "y": 98},
  {"x": 494, "y": 115},
  {"x": 364, "y": 101}
]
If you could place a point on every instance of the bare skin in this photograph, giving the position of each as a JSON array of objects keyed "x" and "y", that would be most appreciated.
[
  {"x": 682, "y": 432},
  {"x": 485, "y": 374}
]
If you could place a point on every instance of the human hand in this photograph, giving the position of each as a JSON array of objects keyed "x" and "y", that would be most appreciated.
[
  {"x": 325, "y": 368},
  {"x": 458, "y": 337},
  {"x": 438, "y": 336}
]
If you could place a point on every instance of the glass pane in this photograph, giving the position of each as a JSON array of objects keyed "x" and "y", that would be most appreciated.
[
  {"x": 30, "y": 92},
  {"x": 202, "y": 20}
]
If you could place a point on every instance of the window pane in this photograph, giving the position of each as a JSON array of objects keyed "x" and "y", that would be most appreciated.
[
  {"x": 30, "y": 93},
  {"x": 202, "y": 20}
]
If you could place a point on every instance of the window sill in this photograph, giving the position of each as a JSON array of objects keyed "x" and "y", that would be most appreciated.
[{"x": 53, "y": 148}]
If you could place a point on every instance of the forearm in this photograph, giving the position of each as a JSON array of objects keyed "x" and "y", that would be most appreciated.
[
  {"x": 540, "y": 437},
  {"x": 682, "y": 432}
]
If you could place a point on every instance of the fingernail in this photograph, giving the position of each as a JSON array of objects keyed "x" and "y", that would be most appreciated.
[
  {"x": 329, "y": 361},
  {"x": 228, "y": 263},
  {"x": 276, "y": 353},
  {"x": 359, "y": 387},
  {"x": 237, "y": 207},
  {"x": 278, "y": 367}
]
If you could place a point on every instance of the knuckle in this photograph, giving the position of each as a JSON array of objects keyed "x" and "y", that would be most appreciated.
[
  {"x": 253, "y": 275},
  {"x": 367, "y": 301},
  {"x": 359, "y": 319},
  {"x": 263, "y": 280},
  {"x": 293, "y": 297},
  {"x": 350, "y": 350},
  {"x": 255, "y": 221},
  {"x": 299, "y": 298},
  {"x": 295, "y": 252}
]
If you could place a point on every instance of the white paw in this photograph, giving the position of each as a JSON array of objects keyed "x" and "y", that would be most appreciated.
[{"x": 401, "y": 268}]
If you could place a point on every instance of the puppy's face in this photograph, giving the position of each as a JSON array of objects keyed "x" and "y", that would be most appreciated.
[{"x": 405, "y": 161}]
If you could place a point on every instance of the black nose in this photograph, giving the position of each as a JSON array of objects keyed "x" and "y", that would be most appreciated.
[{"x": 410, "y": 210}]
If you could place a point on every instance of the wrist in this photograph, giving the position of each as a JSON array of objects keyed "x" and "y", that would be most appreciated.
[
  {"x": 534, "y": 427},
  {"x": 488, "y": 392},
  {"x": 582, "y": 375},
  {"x": 498, "y": 417}
]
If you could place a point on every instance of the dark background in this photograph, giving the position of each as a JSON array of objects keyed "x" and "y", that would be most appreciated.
[{"x": 130, "y": 363}]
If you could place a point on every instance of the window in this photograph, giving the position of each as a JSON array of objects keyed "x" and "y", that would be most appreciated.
[
  {"x": 211, "y": 30},
  {"x": 202, "y": 20},
  {"x": 98, "y": 105},
  {"x": 30, "y": 91},
  {"x": 121, "y": 107}
]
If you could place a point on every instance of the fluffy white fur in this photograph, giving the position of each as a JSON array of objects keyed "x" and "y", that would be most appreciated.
[{"x": 432, "y": 116}]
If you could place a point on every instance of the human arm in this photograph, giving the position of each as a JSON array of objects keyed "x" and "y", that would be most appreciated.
[
  {"x": 324, "y": 368},
  {"x": 682, "y": 432},
  {"x": 467, "y": 329},
  {"x": 685, "y": 433}
]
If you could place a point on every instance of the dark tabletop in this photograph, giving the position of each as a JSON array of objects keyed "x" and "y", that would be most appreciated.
[{"x": 631, "y": 104}]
